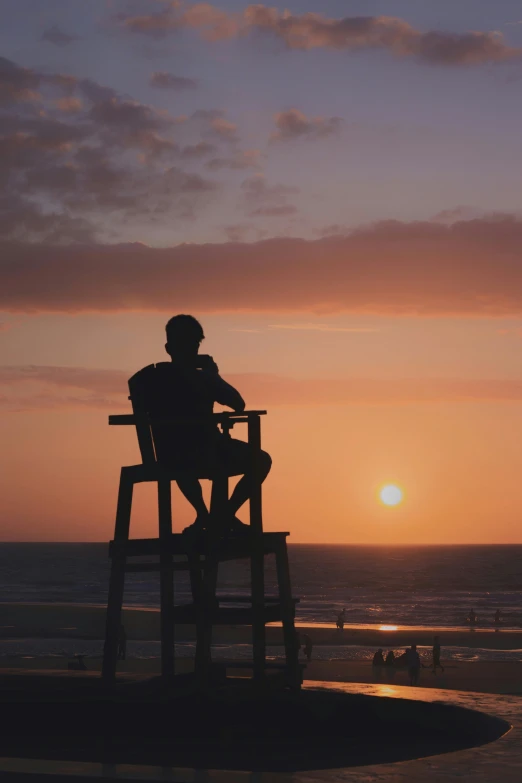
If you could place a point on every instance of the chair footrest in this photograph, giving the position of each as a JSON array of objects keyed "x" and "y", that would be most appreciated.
[
  {"x": 247, "y": 599},
  {"x": 188, "y": 615},
  {"x": 231, "y": 663},
  {"x": 137, "y": 568}
]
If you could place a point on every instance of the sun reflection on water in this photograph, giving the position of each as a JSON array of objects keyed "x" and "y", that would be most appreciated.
[{"x": 388, "y": 628}]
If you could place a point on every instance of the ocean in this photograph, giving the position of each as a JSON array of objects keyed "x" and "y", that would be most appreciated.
[{"x": 403, "y": 585}]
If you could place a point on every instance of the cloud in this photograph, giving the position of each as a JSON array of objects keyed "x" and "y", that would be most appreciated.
[
  {"x": 17, "y": 84},
  {"x": 316, "y": 31},
  {"x": 470, "y": 268},
  {"x": 332, "y": 229},
  {"x": 29, "y": 387},
  {"x": 168, "y": 81},
  {"x": 58, "y": 37},
  {"x": 320, "y": 327},
  {"x": 462, "y": 212},
  {"x": 262, "y": 199},
  {"x": 69, "y": 104},
  {"x": 293, "y": 124},
  {"x": 214, "y": 124},
  {"x": 224, "y": 128},
  {"x": 240, "y": 232},
  {"x": 73, "y": 152},
  {"x": 245, "y": 159},
  {"x": 197, "y": 151},
  {"x": 276, "y": 211},
  {"x": 213, "y": 23}
]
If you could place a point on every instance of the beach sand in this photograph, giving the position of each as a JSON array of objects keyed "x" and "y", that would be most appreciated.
[
  {"x": 47, "y": 621},
  {"x": 481, "y": 676}
]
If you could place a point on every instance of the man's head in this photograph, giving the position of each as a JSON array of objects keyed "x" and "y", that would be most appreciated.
[{"x": 184, "y": 336}]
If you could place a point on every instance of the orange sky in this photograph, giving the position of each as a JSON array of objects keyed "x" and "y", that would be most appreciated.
[{"x": 457, "y": 460}]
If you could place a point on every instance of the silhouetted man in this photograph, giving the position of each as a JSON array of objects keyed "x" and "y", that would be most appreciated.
[{"x": 196, "y": 385}]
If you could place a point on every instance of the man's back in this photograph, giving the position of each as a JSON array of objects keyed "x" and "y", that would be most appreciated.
[
  {"x": 183, "y": 392},
  {"x": 170, "y": 392}
]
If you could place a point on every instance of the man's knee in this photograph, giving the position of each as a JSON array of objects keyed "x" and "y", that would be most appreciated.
[{"x": 265, "y": 463}]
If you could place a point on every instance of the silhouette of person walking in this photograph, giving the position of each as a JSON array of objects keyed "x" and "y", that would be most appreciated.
[
  {"x": 498, "y": 617},
  {"x": 436, "y": 655},
  {"x": 308, "y": 646},
  {"x": 413, "y": 662},
  {"x": 472, "y": 617},
  {"x": 340, "y": 620},
  {"x": 122, "y": 644},
  {"x": 191, "y": 385}
]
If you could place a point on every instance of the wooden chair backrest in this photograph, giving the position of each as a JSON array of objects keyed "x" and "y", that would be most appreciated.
[
  {"x": 138, "y": 387},
  {"x": 170, "y": 416}
]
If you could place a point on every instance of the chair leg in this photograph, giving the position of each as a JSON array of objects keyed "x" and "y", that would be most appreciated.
[
  {"x": 258, "y": 555},
  {"x": 207, "y": 602},
  {"x": 288, "y": 614},
  {"x": 117, "y": 577},
  {"x": 166, "y": 578}
]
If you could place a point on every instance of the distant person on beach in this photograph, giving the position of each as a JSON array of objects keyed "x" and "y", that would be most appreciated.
[
  {"x": 340, "y": 620},
  {"x": 390, "y": 658},
  {"x": 413, "y": 663},
  {"x": 472, "y": 617},
  {"x": 498, "y": 616},
  {"x": 378, "y": 658},
  {"x": 189, "y": 386},
  {"x": 78, "y": 665},
  {"x": 122, "y": 644},
  {"x": 308, "y": 646},
  {"x": 436, "y": 655}
]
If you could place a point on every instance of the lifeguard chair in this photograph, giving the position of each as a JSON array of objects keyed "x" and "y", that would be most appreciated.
[{"x": 200, "y": 556}]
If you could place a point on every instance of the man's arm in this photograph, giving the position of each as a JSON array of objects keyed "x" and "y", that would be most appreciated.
[
  {"x": 222, "y": 391},
  {"x": 225, "y": 394}
]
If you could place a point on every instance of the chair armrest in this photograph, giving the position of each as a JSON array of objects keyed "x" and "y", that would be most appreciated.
[{"x": 225, "y": 416}]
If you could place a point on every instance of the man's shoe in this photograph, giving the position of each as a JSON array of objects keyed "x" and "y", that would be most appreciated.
[
  {"x": 195, "y": 532},
  {"x": 239, "y": 528}
]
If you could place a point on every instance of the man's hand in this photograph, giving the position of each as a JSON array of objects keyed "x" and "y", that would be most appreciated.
[{"x": 207, "y": 364}]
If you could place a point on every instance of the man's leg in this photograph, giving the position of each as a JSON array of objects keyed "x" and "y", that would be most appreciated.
[
  {"x": 191, "y": 489},
  {"x": 243, "y": 487}
]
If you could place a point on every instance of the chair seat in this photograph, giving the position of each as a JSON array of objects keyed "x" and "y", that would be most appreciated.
[
  {"x": 229, "y": 549},
  {"x": 141, "y": 473}
]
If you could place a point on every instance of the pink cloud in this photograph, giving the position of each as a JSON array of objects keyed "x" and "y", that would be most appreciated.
[
  {"x": 41, "y": 387},
  {"x": 169, "y": 81},
  {"x": 469, "y": 268},
  {"x": 243, "y": 159},
  {"x": 293, "y": 124},
  {"x": 313, "y": 31},
  {"x": 263, "y": 199}
]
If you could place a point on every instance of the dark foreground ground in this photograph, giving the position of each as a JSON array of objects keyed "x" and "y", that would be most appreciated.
[{"x": 72, "y": 716}]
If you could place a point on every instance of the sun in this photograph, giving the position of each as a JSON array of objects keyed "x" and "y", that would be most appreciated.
[{"x": 391, "y": 495}]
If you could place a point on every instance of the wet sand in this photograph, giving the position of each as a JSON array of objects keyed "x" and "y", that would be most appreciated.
[{"x": 84, "y": 621}]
